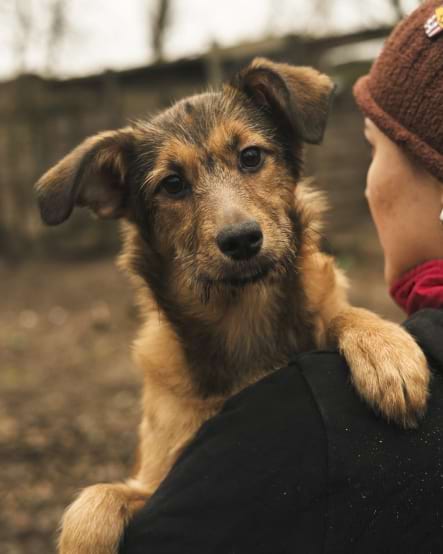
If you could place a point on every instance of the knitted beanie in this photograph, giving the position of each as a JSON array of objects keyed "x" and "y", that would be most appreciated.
[{"x": 403, "y": 93}]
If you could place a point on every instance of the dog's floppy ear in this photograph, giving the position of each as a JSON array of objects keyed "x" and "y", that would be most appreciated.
[
  {"x": 299, "y": 96},
  {"x": 92, "y": 175}
]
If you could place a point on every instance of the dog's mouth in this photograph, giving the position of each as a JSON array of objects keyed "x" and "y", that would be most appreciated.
[
  {"x": 241, "y": 277},
  {"x": 242, "y": 280}
]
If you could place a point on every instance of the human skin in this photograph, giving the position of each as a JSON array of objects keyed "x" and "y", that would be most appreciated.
[{"x": 405, "y": 203}]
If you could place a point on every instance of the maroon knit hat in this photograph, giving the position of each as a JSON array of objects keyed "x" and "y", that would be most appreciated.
[{"x": 403, "y": 93}]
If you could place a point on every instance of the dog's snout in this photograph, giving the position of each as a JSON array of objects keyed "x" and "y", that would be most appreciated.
[{"x": 240, "y": 241}]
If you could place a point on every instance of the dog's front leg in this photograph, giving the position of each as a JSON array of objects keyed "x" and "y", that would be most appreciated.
[
  {"x": 387, "y": 367},
  {"x": 95, "y": 521}
]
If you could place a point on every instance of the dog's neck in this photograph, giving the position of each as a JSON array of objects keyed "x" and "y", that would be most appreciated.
[
  {"x": 235, "y": 337},
  {"x": 255, "y": 332}
]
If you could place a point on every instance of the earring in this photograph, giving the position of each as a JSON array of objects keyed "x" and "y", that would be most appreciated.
[{"x": 441, "y": 217}]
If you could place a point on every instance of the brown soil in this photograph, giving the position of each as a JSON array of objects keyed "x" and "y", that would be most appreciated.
[{"x": 69, "y": 393}]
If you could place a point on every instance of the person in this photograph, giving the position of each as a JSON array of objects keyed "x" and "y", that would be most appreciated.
[{"x": 297, "y": 462}]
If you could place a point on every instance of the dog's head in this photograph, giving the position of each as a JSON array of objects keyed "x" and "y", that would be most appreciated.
[{"x": 208, "y": 184}]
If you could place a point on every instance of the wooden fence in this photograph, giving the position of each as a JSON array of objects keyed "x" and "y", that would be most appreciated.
[{"x": 41, "y": 120}]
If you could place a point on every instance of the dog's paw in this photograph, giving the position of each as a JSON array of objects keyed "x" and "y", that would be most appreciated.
[
  {"x": 388, "y": 368},
  {"x": 94, "y": 523}
]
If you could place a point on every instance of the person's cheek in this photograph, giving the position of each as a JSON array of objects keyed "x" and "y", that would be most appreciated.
[
  {"x": 371, "y": 187},
  {"x": 375, "y": 192}
]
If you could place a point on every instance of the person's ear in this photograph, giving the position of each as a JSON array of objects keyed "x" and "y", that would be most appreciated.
[
  {"x": 94, "y": 175},
  {"x": 298, "y": 97}
]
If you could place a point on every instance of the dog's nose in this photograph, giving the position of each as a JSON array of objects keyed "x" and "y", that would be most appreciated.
[{"x": 240, "y": 241}]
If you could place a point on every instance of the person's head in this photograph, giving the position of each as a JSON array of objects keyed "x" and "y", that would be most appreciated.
[{"x": 402, "y": 100}]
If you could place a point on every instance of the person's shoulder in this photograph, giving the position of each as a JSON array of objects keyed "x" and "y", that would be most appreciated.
[
  {"x": 388, "y": 479},
  {"x": 426, "y": 326}
]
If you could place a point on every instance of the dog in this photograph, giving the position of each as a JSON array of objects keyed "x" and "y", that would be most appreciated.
[{"x": 221, "y": 240}]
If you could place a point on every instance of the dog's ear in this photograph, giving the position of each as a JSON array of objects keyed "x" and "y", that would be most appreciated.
[
  {"x": 94, "y": 175},
  {"x": 299, "y": 97}
]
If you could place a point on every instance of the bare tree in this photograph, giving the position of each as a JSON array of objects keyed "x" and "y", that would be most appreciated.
[
  {"x": 23, "y": 29},
  {"x": 316, "y": 17},
  {"x": 57, "y": 30},
  {"x": 25, "y": 24},
  {"x": 398, "y": 9},
  {"x": 158, "y": 22}
]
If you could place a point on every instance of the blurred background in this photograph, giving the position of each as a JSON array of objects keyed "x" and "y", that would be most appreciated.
[{"x": 69, "y": 68}]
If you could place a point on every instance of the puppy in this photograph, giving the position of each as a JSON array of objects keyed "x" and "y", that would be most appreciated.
[{"x": 221, "y": 241}]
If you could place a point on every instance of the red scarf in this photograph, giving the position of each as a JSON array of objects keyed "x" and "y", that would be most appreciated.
[{"x": 421, "y": 287}]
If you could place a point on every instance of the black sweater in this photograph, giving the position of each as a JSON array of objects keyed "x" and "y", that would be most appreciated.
[{"x": 297, "y": 463}]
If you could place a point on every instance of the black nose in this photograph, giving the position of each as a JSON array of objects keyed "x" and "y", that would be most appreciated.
[{"x": 240, "y": 241}]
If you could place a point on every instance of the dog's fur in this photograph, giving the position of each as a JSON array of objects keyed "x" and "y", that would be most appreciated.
[{"x": 213, "y": 325}]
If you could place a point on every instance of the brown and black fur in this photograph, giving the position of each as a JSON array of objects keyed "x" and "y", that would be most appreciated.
[
  {"x": 193, "y": 125},
  {"x": 214, "y": 324}
]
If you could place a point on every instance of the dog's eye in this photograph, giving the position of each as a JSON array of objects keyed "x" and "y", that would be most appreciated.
[
  {"x": 175, "y": 186},
  {"x": 251, "y": 158}
]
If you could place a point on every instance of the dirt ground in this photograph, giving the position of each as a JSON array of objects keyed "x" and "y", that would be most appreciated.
[{"x": 69, "y": 392}]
